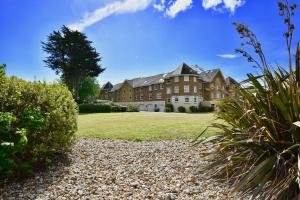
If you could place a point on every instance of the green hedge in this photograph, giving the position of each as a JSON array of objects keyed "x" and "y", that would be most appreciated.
[
  {"x": 169, "y": 108},
  {"x": 95, "y": 108},
  {"x": 181, "y": 109},
  {"x": 37, "y": 121},
  {"x": 205, "y": 109},
  {"x": 194, "y": 109}
]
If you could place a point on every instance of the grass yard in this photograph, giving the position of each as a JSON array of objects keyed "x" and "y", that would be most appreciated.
[{"x": 144, "y": 125}]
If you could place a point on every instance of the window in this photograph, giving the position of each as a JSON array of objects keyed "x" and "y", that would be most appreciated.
[
  {"x": 150, "y": 88},
  {"x": 186, "y": 89},
  {"x": 150, "y": 96},
  {"x": 212, "y": 95},
  {"x": 161, "y": 86},
  {"x": 176, "y": 89},
  {"x": 176, "y": 79},
  {"x": 168, "y": 90},
  {"x": 141, "y": 97},
  {"x": 168, "y": 80},
  {"x": 186, "y": 78},
  {"x": 195, "y": 89},
  {"x": 176, "y": 99},
  {"x": 169, "y": 100},
  {"x": 158, "y": 96},
  {"x": 141, "y": 90},
  {"x": 186, "y": 100},
  {"x": 218, "y": 95},
  {"x": 195, "y": 79},
  {"x": 195, "y": 99}
]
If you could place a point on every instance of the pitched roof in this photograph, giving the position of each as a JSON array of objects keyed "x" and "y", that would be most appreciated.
[
  {"x": 107, "y": 86},
  {"x": 229, "y": 80},
  {"x": 116, "y": 87},
  {"x": 182, "y": 69},
  {"x": 208, "y": 76}
]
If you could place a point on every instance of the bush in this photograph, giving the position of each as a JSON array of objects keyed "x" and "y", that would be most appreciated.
[
  {"x": 205, "y": 109},
  {"x": 95, "y": 108},
  {"x": 181, "y": 109},
  {"x": 117, "y": 108},
  {"x": 169, "y": 108},
  {"x": 37, "y": 121},
  {"x": 194, "y": 109},
  {"x": 257, "y": 150},
  {"x": 132, "y": 108},
  {"x": 156, "y": 109}
]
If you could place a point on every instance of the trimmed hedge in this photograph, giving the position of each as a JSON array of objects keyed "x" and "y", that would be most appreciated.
[
  {"x": 132, "y": 108},
  {"x": 169, "y": 108},
  {"x": 205, "y": 109},
  {"x": 156, "y": 109},
  {"x": 116, "y": 108},
  {"x": 37, "y": 121},
  {"x": 95, "y": 108},
  {"x": 181, "y": 109},
  {"x": 194, "y": 109}
]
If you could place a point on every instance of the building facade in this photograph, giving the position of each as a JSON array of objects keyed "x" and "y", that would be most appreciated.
[{"x": 182, "y": 87}]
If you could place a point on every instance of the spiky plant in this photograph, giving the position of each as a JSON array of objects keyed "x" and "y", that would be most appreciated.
[{"x": 257, "y": 151}]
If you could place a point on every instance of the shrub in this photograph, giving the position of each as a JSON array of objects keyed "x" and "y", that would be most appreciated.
[
  {"x": 117, "y": 108},
  {"x": 257, "y": 150},
  {"x": 37, "y": 121},
  {"x": 156, "y": 109},
  {"x": 95, "y": 108},
  {"x": 181, "y": 109},
  {"x": 205, "y": 109},
  {"x": 169, "y": 108},
  {"x": 194, "y": 109},
  {"x": 132, "y": 108}
]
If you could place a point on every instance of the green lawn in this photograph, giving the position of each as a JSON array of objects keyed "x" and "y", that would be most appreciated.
[{"x": 143, "y": 125}]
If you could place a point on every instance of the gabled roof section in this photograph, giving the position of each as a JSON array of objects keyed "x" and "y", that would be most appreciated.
[
  {"x": 229, "y": 81},
  {"x": 209, "y": 76},
  {"x": 182, "y": 69},
  {"x": 116, "y": 87},
  {"x": 107, "y": 86}
]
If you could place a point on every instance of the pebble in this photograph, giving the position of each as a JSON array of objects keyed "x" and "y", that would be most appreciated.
[{"x": 108, "y": 169}]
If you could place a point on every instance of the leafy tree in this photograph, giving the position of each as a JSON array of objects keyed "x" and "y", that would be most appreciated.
[
  {"x": 88, "y": 89},
  {"x": 72, "y": 56}
]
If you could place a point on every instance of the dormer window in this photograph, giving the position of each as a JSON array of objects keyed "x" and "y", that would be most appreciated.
[{"x": 176, "y": 79}]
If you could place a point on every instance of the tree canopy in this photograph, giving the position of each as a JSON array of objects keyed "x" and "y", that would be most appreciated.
[{"x": 72, "y": 56}]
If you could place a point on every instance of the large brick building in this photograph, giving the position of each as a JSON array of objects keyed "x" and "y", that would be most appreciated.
[{"x": 182, "y": 87}]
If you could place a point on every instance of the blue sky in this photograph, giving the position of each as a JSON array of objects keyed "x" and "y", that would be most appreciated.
[{"x": 141, "y": 37}]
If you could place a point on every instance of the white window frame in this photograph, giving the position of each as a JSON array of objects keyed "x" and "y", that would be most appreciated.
[
  {"x": 195, "y": 99},
  {"x": 150, "y": 88},
  {"x": 150, "y": 96},
  {"x": 169, "y": 100},
  {"x": 195, "y": 89},
  {"x": 158, "y": 95},
  {"x": 176, "y": 89},
  {"x": 186, "y": 100},
  {"x": 161, "y": 86},
  {"x": 176, "y": 79},
  {"x": 186, "y": 89},
  {"x": 169, "y": 91},
  {"x": 186, "y": 78},
  {"x": 141, "y": 97},
  {"x": 176, "y": 100},
  {"x": 195, "y": 79}
]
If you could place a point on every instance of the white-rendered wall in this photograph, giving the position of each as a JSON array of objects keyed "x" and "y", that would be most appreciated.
[
  {"x": 145, "y": 105},
  {"x": 181, "y": 102}
]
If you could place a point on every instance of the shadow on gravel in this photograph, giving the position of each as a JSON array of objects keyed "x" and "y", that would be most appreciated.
[{"x": 44, "y": 177}]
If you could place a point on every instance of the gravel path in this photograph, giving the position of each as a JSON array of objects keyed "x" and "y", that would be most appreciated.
[{"x": 106, "y": 169}]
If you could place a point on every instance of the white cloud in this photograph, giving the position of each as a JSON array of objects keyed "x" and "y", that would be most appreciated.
[
  {"x": 117, "y": 7},
  {"x": 160, "y": 6},
  {"x": 228, "y": 56},
  {"x": 230, "y": 5},
  {"x": 178, "y": 6}
]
